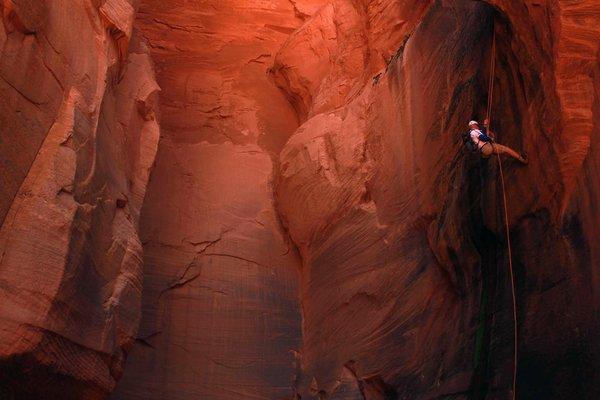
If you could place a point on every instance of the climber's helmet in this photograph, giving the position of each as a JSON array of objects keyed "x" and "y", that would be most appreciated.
[{"x": 474, "y": 124}]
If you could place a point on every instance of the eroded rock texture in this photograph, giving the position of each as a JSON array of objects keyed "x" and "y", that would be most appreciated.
[
  {"x": 221, "y": 311},
  {"x": 404, "y": 279},
  {"x": 79, "y": 135},
  {"x": 313, "y": 227}
]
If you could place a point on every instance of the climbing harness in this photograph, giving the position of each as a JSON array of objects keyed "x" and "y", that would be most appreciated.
[
  {"x": 506, "y": 224},
  {"x": 490, "y": 143}
]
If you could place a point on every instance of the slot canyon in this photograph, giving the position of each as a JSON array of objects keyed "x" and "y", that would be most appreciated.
[{"x": 271, "y": 199}]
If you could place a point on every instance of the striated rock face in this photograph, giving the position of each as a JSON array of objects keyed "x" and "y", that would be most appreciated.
[
  {"x": 404, "y": 284},
  {"x": 313, "y": 227},
  {"x": 221, "y": 316},
  {"x": 79, "y": 135}
]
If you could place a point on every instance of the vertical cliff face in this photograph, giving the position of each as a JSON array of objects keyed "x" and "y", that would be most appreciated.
[
  {"x": 404, "y": 286},
  {"x": 313, "y": 227},
  {"x": 79, "y": 135},
  {"x": 384, "y": 315},
  {"x": 221, "y": 313}
]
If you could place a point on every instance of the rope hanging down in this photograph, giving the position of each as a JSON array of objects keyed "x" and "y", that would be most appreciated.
[{"x": 507, "y": 228}]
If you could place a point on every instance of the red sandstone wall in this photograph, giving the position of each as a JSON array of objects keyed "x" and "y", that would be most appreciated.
[
  {"x": 79, "y": 135},
  {"x": 313, "y": 228},
  {"x": 221, "y": 316},
  {"x": 404, "y": 285}
]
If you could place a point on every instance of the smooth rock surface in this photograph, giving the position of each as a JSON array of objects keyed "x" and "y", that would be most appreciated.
[
  {"x": 79, "y": 135},
  {"x": 313, "y": 227},
  {"x": 404, "y": 251},
  {"x": 221, "y": 316}
]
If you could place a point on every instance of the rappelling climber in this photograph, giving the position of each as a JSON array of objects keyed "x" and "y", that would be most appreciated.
[{"x": 483, "y": 141}]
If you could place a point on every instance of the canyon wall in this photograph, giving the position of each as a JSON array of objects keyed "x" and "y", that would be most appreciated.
[
  {"x": 313, "y": 227},
  {"x": 221, "y": 316},
  {"x": 78, "y": 137},
  {"x": 405, "y": 291}
]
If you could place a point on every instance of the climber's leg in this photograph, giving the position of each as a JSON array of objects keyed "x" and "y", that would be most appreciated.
[
  {"x": 488, "y": 149},
  {"x": 500, "y": 149}
]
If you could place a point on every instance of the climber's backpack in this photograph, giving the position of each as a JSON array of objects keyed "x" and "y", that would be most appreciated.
[{"x": 466, "y": 138}]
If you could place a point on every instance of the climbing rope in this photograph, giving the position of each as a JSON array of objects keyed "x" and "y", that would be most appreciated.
[
  {"x": 491, "y": 79},
  {"x": 507, "y": 228}
]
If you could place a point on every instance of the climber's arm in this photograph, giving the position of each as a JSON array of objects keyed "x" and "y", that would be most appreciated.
[{"x": 486, "y": 129}]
